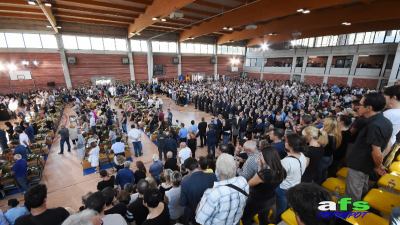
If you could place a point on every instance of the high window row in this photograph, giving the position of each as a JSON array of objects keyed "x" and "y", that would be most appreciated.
[{"x": 27, "y": 40}]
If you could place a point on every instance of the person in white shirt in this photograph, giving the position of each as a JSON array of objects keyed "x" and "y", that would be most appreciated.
[
  {"x": 295, "y": 164},
  {"x": 118, "y": 147},
  {"x": 184, "y": 153},
  {"x": 92, "y": 124},
  {"x": 224, "y": 203},
  {"x": 97, "y": 203},
  {"x": 135, "y": 135},
  {"x": 23, "y": 139},
  {"x": 392, "y": 96}
]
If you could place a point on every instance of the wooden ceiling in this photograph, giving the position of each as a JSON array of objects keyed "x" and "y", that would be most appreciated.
[{"x": 275, "y": 20}]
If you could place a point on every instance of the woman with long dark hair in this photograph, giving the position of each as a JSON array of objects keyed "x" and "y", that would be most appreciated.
[
  {"x": 140, "y": 172},
  {"x": 262, "y": 186}
]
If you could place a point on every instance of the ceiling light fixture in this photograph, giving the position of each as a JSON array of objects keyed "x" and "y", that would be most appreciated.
[
  {"x": 48, "y": 26},
  {"x": 2, "y": 67},
  {"x": 306, "y": 11},
  {"x": 346, "y": 23},
  {"x": 35, "y": 62},
  {"x": 272, "y": 34},
  {"x": 31, "y": 2},
  {"x": 225, "y": 28},
  {"x": 190, "y": 38},
  {"x": 230, "y": 29},
  {"x": 300, "y": 10},
  {"x": 47, "y": 4},
  {"x": 154, "y": 19},
  {"x": 264, "y": 46},
  {"x": 25, "y": 63},
  {"x": 163, "y": 20},
  {"x": 58, "y": 27}
]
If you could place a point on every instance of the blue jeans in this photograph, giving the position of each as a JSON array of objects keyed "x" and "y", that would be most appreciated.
[
  {"x": 23, "y": 183},
  {"x": 62, "y": 141},
  {"x": 226, "y": 138},
  {"x": 124, "y": 129},
  {"x": 137, "y": 146},
  {"x": 211, "y": 150},
  {"x": 281, "y": 202}
]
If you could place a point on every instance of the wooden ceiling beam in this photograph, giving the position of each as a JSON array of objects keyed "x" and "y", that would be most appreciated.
[
  {"x": 104, "y": 12},
  {"x": 17, "y": 9},
  {"x": 262, "y": 10},
  {"x": 159, "y": 9},
  {"x": 108, "y": 6},
  {"x": 92, "y": 16},
  {"x": 85, "y": 21},
  {"x": 49, "y": 15},
  {"x": 357, "y": 13},
  {"x": 23, "y": 15},
  {"x": 335, "y": 30},
  {"x": 145, "y": 2},
  {"x": 166, "y": 27},
  {"x": 197, "y": 11},
  {"x": 213, "y": 5}
]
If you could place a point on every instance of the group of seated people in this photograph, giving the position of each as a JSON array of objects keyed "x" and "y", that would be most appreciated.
[{"x": 269, "y": 146}]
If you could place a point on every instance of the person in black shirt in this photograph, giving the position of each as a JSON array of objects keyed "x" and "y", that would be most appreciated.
[
  {"x": 107, "y": 180},
  {"x": 262, "y": 186},
  {"x": 137, "y": 208},
  {"x": 109, "y": 195},
  {"x": 316, "y": 139},
  {"x": 158, "y": 211},
  {"x": 365, "y": 156},
  {"x": 35, "y": 201},
  {"x": 141, "y": 171},
  {"x": 202, "y": 132},
  {"x": 171, "y": 162}
]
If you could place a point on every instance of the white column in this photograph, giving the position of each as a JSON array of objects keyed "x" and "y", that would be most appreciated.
[
  {"x": 131, "y": 67},
  {"x": 180, "y": 59},
  {"x": 394, "y": 74},
  {"x": 381, "y": 74},
  {"x": 216, "y": 62},
  {"x": 262, "y": 68},
  {"x": 149, "y": 61},
  {"x": 354, "y": 65},
  {"x": 303, "y": 69},
  {"x": 327, "y": 68},
  {"x": 64, "y": 63}
]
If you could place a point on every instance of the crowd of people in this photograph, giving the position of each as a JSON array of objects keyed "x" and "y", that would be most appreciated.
[{"x": 270, "y": 145}]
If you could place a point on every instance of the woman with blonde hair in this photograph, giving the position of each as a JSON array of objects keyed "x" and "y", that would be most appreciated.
[
  {"x": 331, "y": 127},
  {"x": 316, "y": 140}
]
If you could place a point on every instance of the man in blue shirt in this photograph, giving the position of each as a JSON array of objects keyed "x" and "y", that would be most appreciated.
[
  {"x": 193, "y": 187},
  {"x": 183, "y": 133},
  {"x": 156, "y": 168},
  {"x": 22, "y": 150},
  {"x": 125, "y": 175},
  {"x": 20, "y": 170},
  {"x": 15, "y": 211},
  {"x": 276, "y": 136},
  {"x": 193, "y": 127},
  {"x": 211, "y": 140},
  {"x": 30, "y": 132}
]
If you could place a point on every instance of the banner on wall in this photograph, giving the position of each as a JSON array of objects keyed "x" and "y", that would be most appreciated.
[{"x": 20, "y": 75}]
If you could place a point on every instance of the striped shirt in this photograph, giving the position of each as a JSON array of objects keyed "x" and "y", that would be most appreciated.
[{"x": 222, "y": 205}]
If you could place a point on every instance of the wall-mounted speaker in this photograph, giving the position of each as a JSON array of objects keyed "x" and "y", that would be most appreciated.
[
  {"x": 213, "y": 60},
  {"x": 175, "y": 60},
  {"x": 51, "y": 84},
  {"x": 125, "y": 60},
  {"x": 71, "y": 60}
]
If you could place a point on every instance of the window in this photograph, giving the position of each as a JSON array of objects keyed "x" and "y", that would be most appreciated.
[
  {"x": 109, "y": 44},
  {"x": 333, "y": 41},
  {"x": 164, "y": 47},
  {"x": 32, "y": 41},
  {"x": 120, "y": 44},
  {"x": 203, "y": 49},
  {"x": 350, "y": 39},
  {"x": 83, "y": 43},
  {"x": 359, "y": 38},
  {"x": 197, "y": 48},
  {"x": 318, "y": 42},
  {"x": 342, "y": 39},
  {"x": 210, "y": 49},
  {"x": 15, "y": 40},
  {"x": 190, "y": 48},
  {"x": 369, "y": 37},
  {"x": 69, "y": 42},
  {"x": 143, "y": 46},
  {"x": 224, "y": 49},
  {"x": 311, "y": 42},
  {"x": 155, "y": 46},
  {"x": 172, "y": 47},
  {"x": 48, "y": 41},
  {"x": 97, "y": 43},
  {"x": 379, "y": 36},
  {"x": 398, "y": 36},
  {"x": 3, "y": 43},
  {"x": 247, "y": 62},
  {"x": 390, "y": 35},
  {"x": 325, "y": 41}
]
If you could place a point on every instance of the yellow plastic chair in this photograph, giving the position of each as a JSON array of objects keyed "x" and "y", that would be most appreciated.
[
  {"x": 342, "y": 173},
  {"x": 334, "y": 184},
  {"x": 390, "y": 181},
  {"x": 382, "y": 200},
  {"x": 368, "y": 219},
  {"x": 289, "y": 217},
  {"x": 395, "y": 168}
]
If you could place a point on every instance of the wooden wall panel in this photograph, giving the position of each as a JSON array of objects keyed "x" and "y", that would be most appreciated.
[
  {"x": 366, "y": 83},
  {"x": 273, "y": 76},
  {"x": 341, "y": 81},
  {"x": 89, "y": 66},
  {"x": 224, "y": 66},
  {"x": 197, "y": 64},
  {"x": 309, "y": 79},
  {"x": 255, "y": 76},
  {"x": 140, "y": 66},
  {"x": 48, "y": 70},
  {"x": 171, "y": 70}
]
